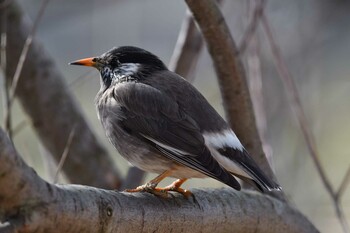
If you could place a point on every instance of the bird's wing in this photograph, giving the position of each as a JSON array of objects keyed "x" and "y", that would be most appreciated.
[{"x": 157, "y": 119}]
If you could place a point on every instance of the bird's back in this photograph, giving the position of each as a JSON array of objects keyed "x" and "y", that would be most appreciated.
[{"x": 190, "y": 100}]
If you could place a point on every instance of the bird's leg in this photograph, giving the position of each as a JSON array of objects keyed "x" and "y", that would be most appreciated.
[
  {"x": 175, "y": 186},
  {"x": 150, "y": 186}
]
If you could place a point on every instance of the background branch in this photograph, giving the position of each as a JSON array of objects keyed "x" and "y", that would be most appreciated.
[
  {"x": 187, "y": 49},
  {"x": 64, "y": 155},
  {"x": 344, "y": 184},
  {"x": 31, "y": 204},
  {"x": 3, "y": 65},
  {"x": 296, "y": 106},
  {"x": 53, "y": 111},
  {"x": 26, "y": 48},
  {"x": 255, "y": 81},
  {"x": 252, "y": 26},
  {"x": 231, "y": 77}
]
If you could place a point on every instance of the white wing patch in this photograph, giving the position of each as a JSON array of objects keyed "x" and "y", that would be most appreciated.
[
  {"x": 225, "y": 138},
  {"x": 228, "y": 164}
]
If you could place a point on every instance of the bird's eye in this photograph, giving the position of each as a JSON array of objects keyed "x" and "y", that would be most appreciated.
[{"x": 94, "y": 59}]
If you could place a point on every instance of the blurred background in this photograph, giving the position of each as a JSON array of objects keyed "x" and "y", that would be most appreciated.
[{"x": 314, "y": 36}]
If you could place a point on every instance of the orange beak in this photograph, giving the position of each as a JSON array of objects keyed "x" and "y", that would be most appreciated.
[{"x": 85, "y": 62}]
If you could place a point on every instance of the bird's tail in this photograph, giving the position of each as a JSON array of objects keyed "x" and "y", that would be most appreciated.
[{"x": 263, "y": 183}]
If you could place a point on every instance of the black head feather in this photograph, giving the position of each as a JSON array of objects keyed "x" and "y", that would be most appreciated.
[
  {"x": 127, "y": 63},
  {"x": 130, "y": 54}
]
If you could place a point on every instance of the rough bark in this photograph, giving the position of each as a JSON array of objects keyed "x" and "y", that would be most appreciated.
[
  {"x": 53, "y": 111},
  {"x": 231, "y": 77},
  {"x": 30, "y": 204}
]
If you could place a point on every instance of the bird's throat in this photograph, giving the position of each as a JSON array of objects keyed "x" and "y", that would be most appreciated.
[{"x": 124, "y": 73}]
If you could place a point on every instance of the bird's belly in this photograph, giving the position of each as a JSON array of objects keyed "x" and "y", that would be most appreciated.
[
  {"x": 137, "y": 152},
  {"x": 143, "y": 156}
]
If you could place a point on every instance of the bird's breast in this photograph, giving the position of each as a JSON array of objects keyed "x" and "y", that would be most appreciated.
[{"x": 137, "y": 152}]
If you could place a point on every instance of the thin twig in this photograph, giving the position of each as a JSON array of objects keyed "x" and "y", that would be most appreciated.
[
  {"x": 26, "y": 48},
  {"x": 252, "y": 26},
  {"x": 341, "y": 216},
  {"x": 295, "y": 102},
  {"x": 49, "y": 165},
  {"x": 24, "y": 123},
  {"x": 255, "y": 81},
  {"x": 80, "y": 79},
  {"x": 296, "y": 106},
  {"x": 64, "y": 154},
  {"x": 187, "y": 50},
  {"x": 11, "y": 93},
  {"x": 344, "y": 184},
  {"x": 6, "y": 86},
  {"x": 19, "y": 127}
]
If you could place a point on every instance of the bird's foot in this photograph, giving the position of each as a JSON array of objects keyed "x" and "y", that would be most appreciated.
[
  {"x": 150, "y": 188},
  {"x": 163, "y": 192},
  {"x": 173, "y": 188}
]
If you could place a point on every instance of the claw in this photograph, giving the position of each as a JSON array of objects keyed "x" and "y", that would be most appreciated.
[
  {"x": 186, "y": 193},
  {"x": 150, "y": 187},
  {"x": 175, "y": 186}
]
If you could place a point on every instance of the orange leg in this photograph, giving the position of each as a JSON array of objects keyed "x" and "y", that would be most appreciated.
[
  {"x": 175, "y": 186},
  {"x": 150, "y": 187}
]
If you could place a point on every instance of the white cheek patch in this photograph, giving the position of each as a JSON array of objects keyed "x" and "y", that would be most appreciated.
[
  {"x": 225, "y": 138},
  {"x": 128, "y": 69}
]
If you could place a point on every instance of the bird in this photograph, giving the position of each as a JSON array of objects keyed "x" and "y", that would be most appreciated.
[{"x": 162, "y": 124}]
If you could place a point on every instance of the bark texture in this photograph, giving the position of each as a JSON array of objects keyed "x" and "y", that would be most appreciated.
[
  {"x": 53, "y": 111},
  {"x": 30, "y": 204},
  {"x": 231, "y": 77}
]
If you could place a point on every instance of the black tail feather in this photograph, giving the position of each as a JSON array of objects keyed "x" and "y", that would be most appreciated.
[
  {"x": 259, "y": 178},
  {"x": 256, "y": 176}
]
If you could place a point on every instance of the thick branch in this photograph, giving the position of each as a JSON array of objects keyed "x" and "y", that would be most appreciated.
[
  {"x": 53, "y": 111},
  {"x": 31, "y": 204},
  {"x": 231, "y": 76}
]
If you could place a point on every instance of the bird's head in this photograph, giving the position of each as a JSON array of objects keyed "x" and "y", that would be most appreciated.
[{"x": 123, "y": 62}]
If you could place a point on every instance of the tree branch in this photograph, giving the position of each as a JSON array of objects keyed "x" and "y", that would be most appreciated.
[
  {"x": 252, "y": 26},
  {"x": 3, "y": 65},
  {"x": 26, "y": 48},
  {"x": 251, "y": 44},
  {"x": 30, "y": 204},
  {"x": 53, "y": 111},
  {"x": 187, "y": 50},
  {"x": 343, "y": 185},
  {"x": 231, "y": 77}
]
